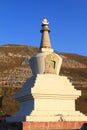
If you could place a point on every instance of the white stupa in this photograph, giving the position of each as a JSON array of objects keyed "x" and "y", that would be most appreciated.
[{"x": 47, "y": 96}]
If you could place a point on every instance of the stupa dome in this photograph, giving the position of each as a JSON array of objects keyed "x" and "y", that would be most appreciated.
[{"x": 46, "y": 60}]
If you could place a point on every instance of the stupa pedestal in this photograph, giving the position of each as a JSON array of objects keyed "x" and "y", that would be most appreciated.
[{"x": 47, "y": 97}]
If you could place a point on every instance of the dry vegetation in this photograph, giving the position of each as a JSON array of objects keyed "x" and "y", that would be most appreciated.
[{"x": 81, "y": 59}]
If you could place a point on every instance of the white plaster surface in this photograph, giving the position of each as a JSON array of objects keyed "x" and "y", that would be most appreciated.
[
  {"x": 49, "y": 98},
  {"x": 37, "y": 61}
]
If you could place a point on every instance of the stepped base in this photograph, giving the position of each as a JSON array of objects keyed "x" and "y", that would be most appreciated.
[
  {"x": 46, "y": 116},
  {"x": 52, "y": 100},
  {"x": 56, "y": 118},
  {"x": 44, "y": 108}
]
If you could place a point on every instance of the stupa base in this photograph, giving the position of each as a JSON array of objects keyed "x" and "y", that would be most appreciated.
[
  {"x": 48, "y": 116},
  {"x": 38, "y": 116}
]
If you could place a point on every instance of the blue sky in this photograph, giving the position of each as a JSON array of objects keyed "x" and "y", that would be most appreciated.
[{"x": 20, "y": 23}]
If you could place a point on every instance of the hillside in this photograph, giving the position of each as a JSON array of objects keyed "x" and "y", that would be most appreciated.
[
  {"x": 15, "y": 69},
  {"x": 12, "y": 56}
]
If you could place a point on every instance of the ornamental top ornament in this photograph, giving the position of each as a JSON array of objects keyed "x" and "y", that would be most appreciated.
[{"x": 45, "y": 21}]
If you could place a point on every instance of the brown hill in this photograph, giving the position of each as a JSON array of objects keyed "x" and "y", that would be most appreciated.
[
  {"x": 14, "y": 70},
  {"x": 12, "y": 56}
]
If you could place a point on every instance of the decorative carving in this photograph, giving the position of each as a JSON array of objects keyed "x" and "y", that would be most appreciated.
[{"x": 51, "y": 62}]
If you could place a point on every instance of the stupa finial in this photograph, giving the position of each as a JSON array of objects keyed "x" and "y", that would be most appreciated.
[
  {"x": 45, "y": 40},
  {"x": 45, "y": 21}
]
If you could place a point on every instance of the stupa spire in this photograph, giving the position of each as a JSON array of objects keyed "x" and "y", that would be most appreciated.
[{"x": 45, "y": 40}]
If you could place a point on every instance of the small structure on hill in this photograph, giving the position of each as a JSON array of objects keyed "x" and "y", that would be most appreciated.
[{"x": 47, "y": 96}]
